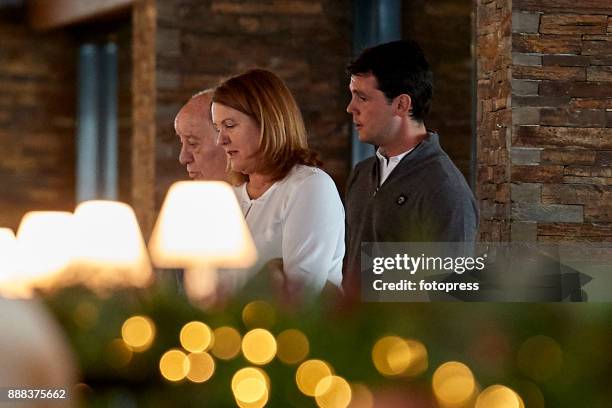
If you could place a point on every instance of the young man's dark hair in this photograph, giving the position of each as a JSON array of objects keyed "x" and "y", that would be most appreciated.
[{"x": 400, "y": 67}]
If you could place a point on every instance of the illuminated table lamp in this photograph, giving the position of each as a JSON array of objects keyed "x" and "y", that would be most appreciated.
[
  {"x": 201, "y": 228},
  {"x": 35, "y": 353},
  {"x": 45, "y": 243},
  {"x": 9, "y": 266},
  {"x": 109, "y": 251}
]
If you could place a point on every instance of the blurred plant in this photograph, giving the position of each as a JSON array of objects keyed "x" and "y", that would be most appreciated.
[{"x": 379, "y": 355}]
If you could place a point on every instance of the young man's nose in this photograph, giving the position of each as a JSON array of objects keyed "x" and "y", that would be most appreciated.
[{"x": 350, "y": 108}]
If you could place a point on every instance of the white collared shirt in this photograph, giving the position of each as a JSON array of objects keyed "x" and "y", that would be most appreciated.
[
  {"x": 388, "y": 164},
  {"x": 299, "y": 219}
]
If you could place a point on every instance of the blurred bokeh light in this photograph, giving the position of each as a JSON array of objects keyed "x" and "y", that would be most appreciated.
[
  {"x": 308, "y": 375},
  {"x": 259, "y": 346},
  {"x": 531, "y": 394},
  {"x": 333, "y": 392},
  {"x": 138, "y": 332},
  {"x": 86, "y": 314},
  {"x": 227, "y": 343},
  {"x": 498, "y": 396},
  {"x": 393, "y": 356},
  {"x": 293, "y": 346},
  {"x": 196, "y": 337},
  {"x": 259, "y": 314},
  {"x": 201, "y": 367},
  {"x": 540, "y": 358},
  {"x": 119, "y": 354},
  {"x": 453, "y": 383},
  {"x": 174, "y": 365},
  {"x": 251, "y": 387}
]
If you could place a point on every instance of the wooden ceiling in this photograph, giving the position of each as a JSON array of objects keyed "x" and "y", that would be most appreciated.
[{"x": 50, "y": 14}]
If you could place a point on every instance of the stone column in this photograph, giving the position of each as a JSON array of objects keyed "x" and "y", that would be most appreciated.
[{"x": 557, "y": 149}]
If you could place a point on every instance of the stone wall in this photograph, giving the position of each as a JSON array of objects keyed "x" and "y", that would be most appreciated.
[
  {"x": 308, "y": 43},
  {"x": 562, "y": 120},
  {"x": 493, "y": 30},
  {"x": 557, "y": 154},
  {"x": 37, "y": 119}
]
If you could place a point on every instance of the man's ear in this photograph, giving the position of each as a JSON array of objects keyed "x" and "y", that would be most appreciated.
[{"x": 403, "y": 105}]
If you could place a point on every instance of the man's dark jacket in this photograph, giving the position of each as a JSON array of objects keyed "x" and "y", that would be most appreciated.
[{"x": 424, "y": 199}]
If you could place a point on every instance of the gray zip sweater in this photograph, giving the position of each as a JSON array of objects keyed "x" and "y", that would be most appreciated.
[{"x": 424, "y": 199}]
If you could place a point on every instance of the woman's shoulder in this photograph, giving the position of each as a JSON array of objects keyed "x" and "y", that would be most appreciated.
[
  {"x": 314, "y": 186},
  {"x": 303, "y": 176}
]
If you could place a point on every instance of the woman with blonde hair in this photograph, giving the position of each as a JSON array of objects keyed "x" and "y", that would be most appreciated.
[{"x": 291, "y": 206}]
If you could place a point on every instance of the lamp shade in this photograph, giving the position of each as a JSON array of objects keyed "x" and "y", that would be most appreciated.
[
  {"x": 9, "y": 259},
  {"x": 110, "y": 250},
  {"x": 201, "y": 224},
  {"x": 8, "y": 253},
  {"x": 45, "y": 246},
  {"x": 35, "y": 353}
]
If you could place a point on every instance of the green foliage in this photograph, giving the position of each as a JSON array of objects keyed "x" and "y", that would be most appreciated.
[{"x": 487, "y": 337}]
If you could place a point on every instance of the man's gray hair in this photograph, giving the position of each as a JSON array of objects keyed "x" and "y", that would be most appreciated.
[
  {"x": 204, "y": 92},
  {"x": 198, "y": 94}
]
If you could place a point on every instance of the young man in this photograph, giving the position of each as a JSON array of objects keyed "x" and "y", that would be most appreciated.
[
  {"x": 410, "y": 191},
  {"x": 200, "y": 155}
]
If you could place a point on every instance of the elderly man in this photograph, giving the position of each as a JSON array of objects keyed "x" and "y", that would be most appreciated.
[{"x": 200, "y": 155}]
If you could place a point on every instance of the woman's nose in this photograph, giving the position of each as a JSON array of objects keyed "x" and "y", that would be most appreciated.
[{"x": 221, "y": 138}]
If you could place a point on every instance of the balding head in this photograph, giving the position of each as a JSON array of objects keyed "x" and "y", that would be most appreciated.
[{"x": 203, "y": 159}]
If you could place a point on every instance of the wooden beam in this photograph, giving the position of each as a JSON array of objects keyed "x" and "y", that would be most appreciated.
[
  {"x": 144, "y": 100},
  {"x": 49, "y": 14}
]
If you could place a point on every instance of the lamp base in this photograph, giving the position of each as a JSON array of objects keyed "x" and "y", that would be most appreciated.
[{"x": 201, "y": 284}]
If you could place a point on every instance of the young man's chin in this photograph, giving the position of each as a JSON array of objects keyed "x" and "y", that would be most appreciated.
[{"x": 363, "y": 138}]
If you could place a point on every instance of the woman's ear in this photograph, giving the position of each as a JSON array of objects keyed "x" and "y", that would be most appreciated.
[{"x": 404, "y": 105}]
